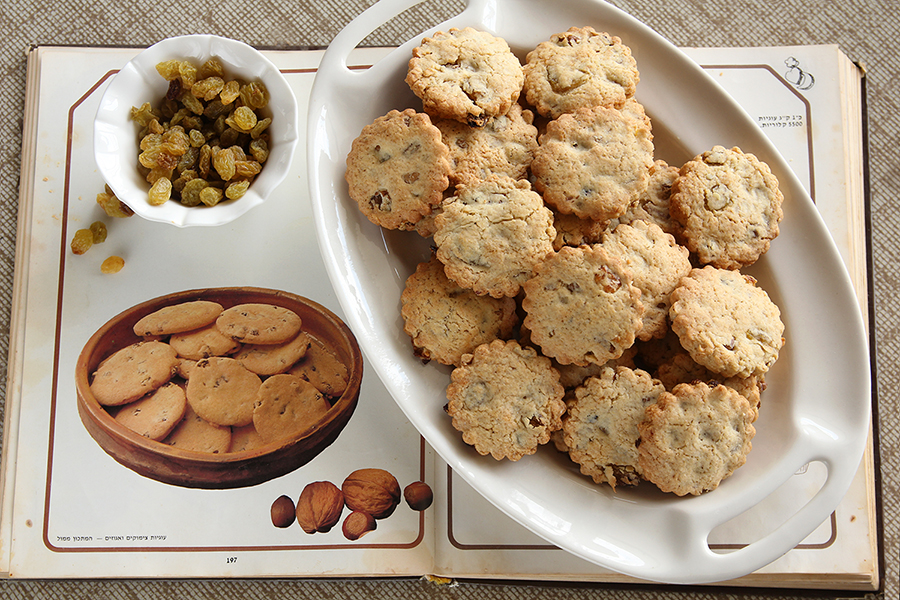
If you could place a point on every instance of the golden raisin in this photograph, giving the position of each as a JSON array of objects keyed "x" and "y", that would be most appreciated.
[
  {"x": 224, "y": 164},
  {"x": 82, "y": 241},
  {"x": 98, "y": 231},
  {"x": 244, "y": 118},
  {"x": 230, "y": 92},
  {"x": 210, "y": 196},
  {"x": 112, "y": 206},
  {"x": 237, "y": 189},
  {"x": 112, "y": 264},
  {"x": 160, "y": 191},
  {"x": 190, "y": 195}
]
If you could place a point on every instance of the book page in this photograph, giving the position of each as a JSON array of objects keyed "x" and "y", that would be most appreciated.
[{"x": 76, "y": 511}]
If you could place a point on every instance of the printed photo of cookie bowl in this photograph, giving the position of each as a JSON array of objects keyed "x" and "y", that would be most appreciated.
[
  {"x": 196, "y": 130},
  {"x": 234, "y": 386}
]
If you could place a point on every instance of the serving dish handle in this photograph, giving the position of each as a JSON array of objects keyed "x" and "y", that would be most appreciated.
[{"x": 689, "y": 539}]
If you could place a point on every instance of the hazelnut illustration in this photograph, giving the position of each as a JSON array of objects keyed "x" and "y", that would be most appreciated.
[
  {"x": 358, "y": 524},
  {"x": 319, "y": 507},
  {"x": 418, "y": 495},
  {"x": 372, "y": 491},
  {"x": 283, "y": 512}
]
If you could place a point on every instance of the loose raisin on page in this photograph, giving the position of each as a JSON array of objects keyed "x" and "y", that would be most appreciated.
[
  {"x": 98, "y": 231},
  {"x": 112, "y": 264},
  {"x": 82, "y": 241}
]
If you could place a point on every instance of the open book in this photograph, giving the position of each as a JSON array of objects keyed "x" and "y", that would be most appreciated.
[{"x": 69, "y": 510}]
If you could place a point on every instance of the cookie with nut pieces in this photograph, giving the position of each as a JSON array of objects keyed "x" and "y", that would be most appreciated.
[
  {"x": 579, "y": 68},
  {"x": 581, "y": 306},
  {"x": 505, "y": 399},
  {"x": 694, "y": 437},
  {"x": 489, "y": 236},
  {"x": 727, "y": 206},
  {"x": 466, "y": 75},
  {"x": 398, "y": 169}
]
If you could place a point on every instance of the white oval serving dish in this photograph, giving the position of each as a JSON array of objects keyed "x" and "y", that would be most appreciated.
[{"x": 816, "y": 407}]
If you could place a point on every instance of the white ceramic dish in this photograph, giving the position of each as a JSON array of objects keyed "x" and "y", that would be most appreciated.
[
  {"x": 816, "y": 407},
  {"x": 116, "y": 135}
]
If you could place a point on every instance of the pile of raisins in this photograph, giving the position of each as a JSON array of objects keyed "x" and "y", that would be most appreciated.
[{"x": 207, "y": 139}]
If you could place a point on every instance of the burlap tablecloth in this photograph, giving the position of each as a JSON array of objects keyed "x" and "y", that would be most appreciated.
[{"x": 867, "y": 30}]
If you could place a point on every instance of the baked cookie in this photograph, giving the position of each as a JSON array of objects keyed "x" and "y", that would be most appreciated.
[
  {"x": 657, "y": 264},
  {"x": 504, "y": 146},
  {"x": 321, "y": 367},
  {"x": 572, "y": 230},
  {"x": 156, "y": 414},
  {"x": 580, "y": 68},
  {"x": 727, "y": 205},
  {"x": 581, "y": 306},
  {"x": 694, "y": 437},
  {"x": 681, "y": 368},
  {"x": 132, "y": 372},
  {"x": 259, "y": 323},
  {"x": 397, "y": 169},
  {"x": 286, "y": 406},
  {"x": 652, "y": 205},
  {"x": 198, "y": 435},
  {"x": 184, "y": 367},
  {"x": 445, "y": 321},
  {"x": 593, "y": 162},
  {"x": 465, "y": 75},
  {"x": 271, "y": 359},
  {"x": 222, "y": 391},
  {"x": 178, "y": 318},
  {"x": 203, "y": 343},
  {"x": 726, "y": 323},
  {"x": 490, "y": 236},
  {"x": 601, "y": 426},
  {"x": 572, "y": 376},
  {"x": 245, "y": 438},
  {"x": 506, "y": 399}
]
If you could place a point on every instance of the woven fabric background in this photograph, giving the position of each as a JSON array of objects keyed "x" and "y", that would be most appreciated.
[{"x": 867, "y": 30}]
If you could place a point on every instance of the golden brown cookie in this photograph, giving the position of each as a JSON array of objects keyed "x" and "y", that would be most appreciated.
[
  {"x": 321, "y": 367},
  {"x": 726, "y": 323},
  {"x": 728, "y": 206},
  {"x": 592, "y": 163},
  {"x": 203, "y": 342},
  {"x": 222, "y": 391},
  {"x": 180, "y": 317},
  {"x": 156, "y": 414},
  {"x": 271, "y": 359},
  {"x": 694, "y": 437},
  {"x": 466, "y": 75},
  {"x": 133, "y": 371},
  {"x": 445, "y": 321},
  {"x": 504, "y": 146},
  {"x": 490, "y": 236},
  {"x": 601, "y": 425},
  {"x": 256, "y": 323},
  {"x": 286, "y": 406},
  {"x": 198, "y": 435},
  {"x": 580, "y": 68},
  {"x": 505, "y": 399},
  {"x": 581, "y": 306},
  {"x": 398, "y": 169}
]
